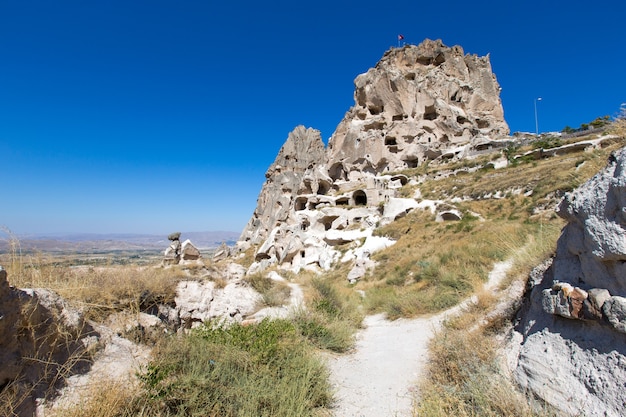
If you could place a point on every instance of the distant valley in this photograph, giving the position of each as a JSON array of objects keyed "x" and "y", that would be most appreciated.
[{"x": 98, "y": 243}]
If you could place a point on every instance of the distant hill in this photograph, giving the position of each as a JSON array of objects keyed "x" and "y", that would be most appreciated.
[{"x": 93, "y": 242}]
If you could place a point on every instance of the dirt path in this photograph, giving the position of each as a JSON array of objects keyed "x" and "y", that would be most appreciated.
[{"x": 378, "y": 379}]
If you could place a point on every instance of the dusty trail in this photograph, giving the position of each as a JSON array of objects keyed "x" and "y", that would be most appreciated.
[{"x": 378, "y": 379}]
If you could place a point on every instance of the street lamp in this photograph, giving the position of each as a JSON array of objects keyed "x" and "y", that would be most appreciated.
[{"x": 536, "y": 120}]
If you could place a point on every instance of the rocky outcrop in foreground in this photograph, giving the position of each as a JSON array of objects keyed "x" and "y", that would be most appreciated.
[
  {"x": 42, "y": 339},
  {"x": 571, "y": 337}
]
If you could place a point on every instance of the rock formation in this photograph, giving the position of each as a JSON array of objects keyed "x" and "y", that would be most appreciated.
[
  {"x": 292, "y": 173},
  {"x": 177, "y": 253},
  {"x": 189, "y": 252},
  {"x": 43, "y": 340},
  {"x": 420, "y": 103},
  {"x": 571, "y": 338},
  {"x": 172, "y": 253}
]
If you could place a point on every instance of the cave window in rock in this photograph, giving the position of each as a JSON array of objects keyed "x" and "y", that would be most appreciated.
[
  {"x": 461, "y": 120},
  {"x": 302, "y": 254},
  {"x": 304, "y": 226},
  {"x": 391, "y": 141},
  {"x": 402, "y": 178},
  {"x": 398, "y": 117},
  {"x": 439, "y": 59},
  {"x": 323, "y": 187},
  {"x": 444, "y": 139},
  {"x": 337, "y": 171},
  {"x": 343, "y": 201},
  {"x": 482, "y": 124},
  {"x": 410, "y": 76},
  {"x": 300, "y": 203},
  {"x": 360, "y": 198},
  {"x": 313, "y": 204},
  {"x": 328, "y": 221},
  {"x": 450, "y": 216},
  {"x": 412, "y": 163},
  {"x": 430, "y": 113},
  {"x": 374, "y": 109}
]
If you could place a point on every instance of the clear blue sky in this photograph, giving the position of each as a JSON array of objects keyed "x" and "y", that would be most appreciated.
[{"x": 153, "y": 116}]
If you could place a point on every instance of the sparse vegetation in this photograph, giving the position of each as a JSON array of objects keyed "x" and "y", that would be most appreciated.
[
  {"x": 271, "y": 369},
  {"x": 261, "y": 370},
  {"x": 274, "y": 293}
]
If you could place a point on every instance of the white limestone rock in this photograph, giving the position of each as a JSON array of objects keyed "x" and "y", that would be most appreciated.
[
  {"x": 189, "y": 252},
  {"x": 197, "y": 302},
  {"x": 579, "y": 366}
]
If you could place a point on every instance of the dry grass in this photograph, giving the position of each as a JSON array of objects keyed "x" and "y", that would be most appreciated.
[
  {"x": 274, "y": 293},
  {"x": 434, "y": 266},
  {"x": 97, "y": 291},
  {"x": 105, "y": 399},
  {"x": 619, "y": 126},
  {"x": 464, "y": 376}
]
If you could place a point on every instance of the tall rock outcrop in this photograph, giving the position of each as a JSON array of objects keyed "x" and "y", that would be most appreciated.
[
  {"x": 420, "y": 103},
  {"x": 416, "y": 104},
  {"x": 571, "y": 337},
  {"x": 299, "y": 157}
]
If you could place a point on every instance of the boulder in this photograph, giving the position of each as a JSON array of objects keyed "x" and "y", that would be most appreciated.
[
  {"x": 189, "y": 252},
  {"x": 223, "y": 252},
  {"x": 614, "y": 309},
  {"x": 197, "y": 302}
]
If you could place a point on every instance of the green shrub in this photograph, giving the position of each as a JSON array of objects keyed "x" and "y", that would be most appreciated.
[{"x": 259, "y": 370}]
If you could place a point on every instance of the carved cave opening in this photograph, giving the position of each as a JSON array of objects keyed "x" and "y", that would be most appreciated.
[
  {"x": 360, "y": 198},
  {"x": 482, "y": 124},
  {"x": 439, "y": 59},
  {"x": 337, "y": 172},
  {"x": 391, "y": 141},
  {"x": 374, "y": 109},
  {"x": 430, "y": 113},
  {"x": 323, "y": 187},
  {"x": 300, "y": 203},
  {"x": 328, "y": 221}
]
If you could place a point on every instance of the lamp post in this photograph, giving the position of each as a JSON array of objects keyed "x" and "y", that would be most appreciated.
[{"x": 536, "y": 120}]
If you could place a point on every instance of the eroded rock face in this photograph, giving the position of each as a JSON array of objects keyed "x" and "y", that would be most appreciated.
[
  {"x": 592, "y": 249},
  {"x": 415, "y": 105},
  {"x": 572, "y": 331},
  {"x": 418, "y": 104},
  {"x": 299, "y": 157}
]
